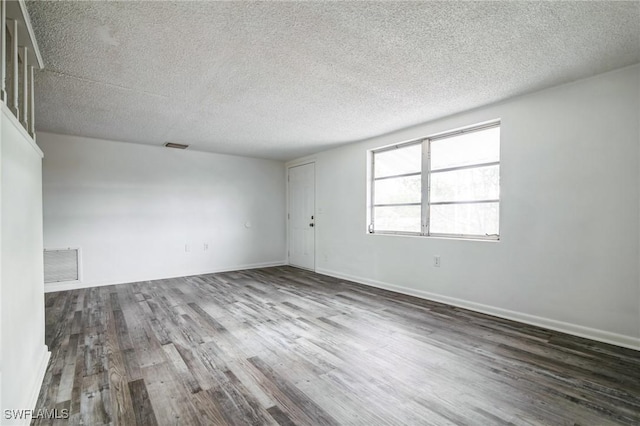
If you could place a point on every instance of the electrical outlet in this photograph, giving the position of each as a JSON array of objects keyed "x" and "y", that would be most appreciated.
[
  {"x": 205, "y": 247},
  {"x": 436, "y": 261},
  {"x": 187, "y": 248}
]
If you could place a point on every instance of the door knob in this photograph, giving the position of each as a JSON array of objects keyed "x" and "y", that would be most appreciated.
[{"x": 311, "y": 225}]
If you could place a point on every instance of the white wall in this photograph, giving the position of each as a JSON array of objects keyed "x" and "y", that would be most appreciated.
[
  {"x": 23, "y": 355},
  {"x": 133, "y": 208},
  {"x": 568, "y": 254}
]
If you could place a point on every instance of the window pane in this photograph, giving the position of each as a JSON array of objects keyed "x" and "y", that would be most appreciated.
[
  {"x": 481, "y": 183},
  {"x": 397, "y": 218},
  {"x": 478, "y": 147},
  {"x": 398, "y": 161},
  {"x": 467, "y": 219},
  {"x": 398, "y": 190}
]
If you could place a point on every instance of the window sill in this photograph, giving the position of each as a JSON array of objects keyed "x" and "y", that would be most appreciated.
[{"x": 436, "y": 237}]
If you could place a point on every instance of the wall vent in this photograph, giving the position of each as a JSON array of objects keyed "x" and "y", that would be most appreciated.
[
  {"x": 61, "y": 265},
  {"x": 176, "y": 145}
]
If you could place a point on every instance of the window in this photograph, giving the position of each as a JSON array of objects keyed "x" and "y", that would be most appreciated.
[{"x": 444, "y": 185}]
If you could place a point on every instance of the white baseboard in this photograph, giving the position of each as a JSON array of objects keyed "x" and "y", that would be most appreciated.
[
  {"x": 76, "y": 285},
  {"x": 38, "y": 378},
  {"x": 31, "y": 391},
  {"x": 564, "y": 327}
]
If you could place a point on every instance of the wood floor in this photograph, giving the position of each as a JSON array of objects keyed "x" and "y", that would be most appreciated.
[{"x": 286, "y": 346}]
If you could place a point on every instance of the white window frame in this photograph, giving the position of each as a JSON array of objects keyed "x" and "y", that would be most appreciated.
[{"x": 425, "y": 175}]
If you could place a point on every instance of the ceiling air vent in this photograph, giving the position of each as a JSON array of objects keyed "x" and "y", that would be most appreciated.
[
  {"x": 61, "y": 265},
  {"x": 176, "y": 145}
]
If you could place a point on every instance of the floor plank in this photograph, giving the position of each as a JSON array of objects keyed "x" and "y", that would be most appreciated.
[{"x": 284, "y": 346}]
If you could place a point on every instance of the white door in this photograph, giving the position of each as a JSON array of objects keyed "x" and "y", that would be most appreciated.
[{"x": 302, "y": 236}]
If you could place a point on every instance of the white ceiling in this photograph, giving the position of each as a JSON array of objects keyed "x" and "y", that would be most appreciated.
[{"x": 282, "y": 80}]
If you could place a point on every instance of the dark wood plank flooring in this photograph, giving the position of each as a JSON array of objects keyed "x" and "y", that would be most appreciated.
[{"x": 286, "y": 346}]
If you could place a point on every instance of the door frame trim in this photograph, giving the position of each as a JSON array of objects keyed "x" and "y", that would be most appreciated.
[{"x": 289, "y": 166}]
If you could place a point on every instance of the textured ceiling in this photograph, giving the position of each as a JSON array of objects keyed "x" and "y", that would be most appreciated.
[{"x": 282, "y": 80}]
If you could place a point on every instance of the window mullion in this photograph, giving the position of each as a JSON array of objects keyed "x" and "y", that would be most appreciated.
[
  {"x": 466, "y": 167},
  {"x": 371, "y": 226},
  {"x": 426, "y": 165}
]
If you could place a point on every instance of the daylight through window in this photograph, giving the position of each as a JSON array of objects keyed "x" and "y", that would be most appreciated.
[{"x": 446, "y": 185}]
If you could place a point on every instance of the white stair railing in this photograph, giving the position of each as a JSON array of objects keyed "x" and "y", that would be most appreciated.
[{"x": 18, "y": 62}]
